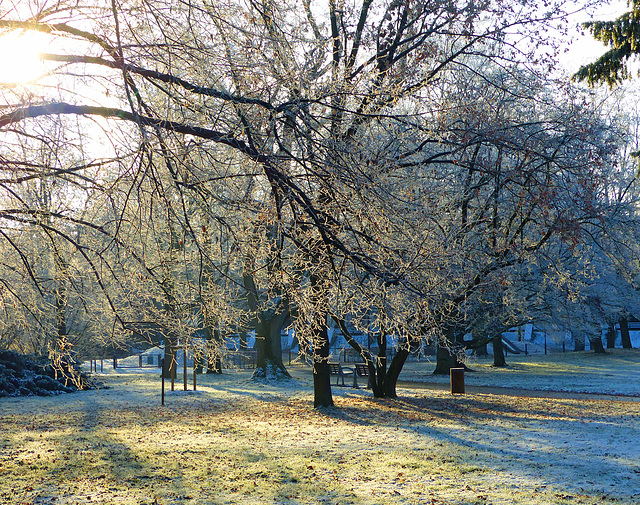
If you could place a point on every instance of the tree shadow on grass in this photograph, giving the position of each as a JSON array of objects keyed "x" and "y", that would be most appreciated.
[
  {"x": 89, "y": 461},
  {"x": 558, "y": 442}
]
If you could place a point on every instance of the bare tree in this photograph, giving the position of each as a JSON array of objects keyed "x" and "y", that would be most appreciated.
[{"x": 293, "y": 108}]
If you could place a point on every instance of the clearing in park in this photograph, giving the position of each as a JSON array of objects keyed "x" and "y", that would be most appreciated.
[{"x": 235, "y": 441}]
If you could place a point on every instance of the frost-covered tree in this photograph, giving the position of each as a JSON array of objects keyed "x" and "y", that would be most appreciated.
[{"x": 283, "y": 110}]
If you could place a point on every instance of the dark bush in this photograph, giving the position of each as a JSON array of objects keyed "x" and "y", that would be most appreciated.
[{"x": 26, "y": 376}]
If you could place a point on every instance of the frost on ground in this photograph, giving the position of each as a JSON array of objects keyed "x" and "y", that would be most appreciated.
[
  {"x": 235, "y": 441},
  {"x": 615, "y": 373}
]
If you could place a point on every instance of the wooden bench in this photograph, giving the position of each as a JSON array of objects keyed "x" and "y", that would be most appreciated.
[
  {"x": 361, "y": 370},
  {"x": 341, "y": 372}
]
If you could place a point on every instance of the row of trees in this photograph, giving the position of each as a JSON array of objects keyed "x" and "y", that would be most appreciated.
[{"x": 393, "y": 167}]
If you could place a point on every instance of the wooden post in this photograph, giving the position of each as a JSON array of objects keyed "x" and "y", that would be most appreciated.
[
  {"x": 194, "y": 372},
  {"x": 101, "y": 366},
  {"x": 172, "y": 368},
  {"x": 457, "y": 380},
  {"x": 184, "y": 357},
  {"x": 115, "y": 362},
  {"x": 162, "y": 375}
]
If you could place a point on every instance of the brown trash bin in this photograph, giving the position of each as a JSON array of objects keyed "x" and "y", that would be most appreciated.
[{"x": 457, "y": 380}]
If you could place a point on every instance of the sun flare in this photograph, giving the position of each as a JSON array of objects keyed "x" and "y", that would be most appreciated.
[{"x": 20, "y": 61}]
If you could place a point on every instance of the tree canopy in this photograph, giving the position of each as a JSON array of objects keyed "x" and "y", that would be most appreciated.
[{"x": 217, "y": 166}]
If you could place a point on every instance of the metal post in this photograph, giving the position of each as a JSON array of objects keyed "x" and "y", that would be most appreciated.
[
  {"x": 526, "y": 350},
  {"x": 545, "y": 342},
  {"x": 101, "y": 366},
  {"x": 115, "y": 362}
]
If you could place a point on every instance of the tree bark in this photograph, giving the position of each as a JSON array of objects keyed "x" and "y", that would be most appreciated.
[
  {"x": 214, "y": 365},
  {"x": 481, "y": 350},
  {"x": 499, "y": 360},
  {"x": 269, "y": 347},
  {"x": 269, "y": 325},
  {"x": 322, "y": 396},
  {"x": 624, "y": 333},
  {"x": 381, "y": 364},
  {"x": 446, "y": 358},
  {"x": 198, "y": 362},
  {"x": 611, "y": 336},
  {"x": 395, "y": 367},
  {"x": 596, "y": 344}
]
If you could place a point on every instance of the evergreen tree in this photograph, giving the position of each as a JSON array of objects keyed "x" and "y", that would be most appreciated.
[{"x": 623, "y": 37}]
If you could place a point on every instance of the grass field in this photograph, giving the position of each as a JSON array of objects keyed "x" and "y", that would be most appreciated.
[
  {"x": 615, "y": 373},
  {"x": 234, "y": 441}
]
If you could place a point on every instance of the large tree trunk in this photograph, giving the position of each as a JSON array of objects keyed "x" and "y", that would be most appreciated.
[
  {"x": 322, "y": 396},
  {"x": 269, "y": 348},
  {"x": 611, "y": 336},
  {"x": 624, "y": 333},
  {"x": 596, "y": 344},
  {"x": 446, "y": 357},
  {"x": 383, "y": 382},
  {"x": 381, "y": 364},
  {"x": 579, "y": 343},
  {"x": 214, "y": 341},
  {"x": 269, "y": 325},
  {"x": 391, "y": 379},
  {"x": 446, "y": 360},
  {"x": 499, "y": 360}
]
